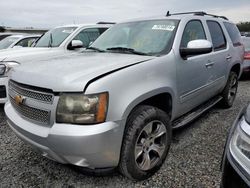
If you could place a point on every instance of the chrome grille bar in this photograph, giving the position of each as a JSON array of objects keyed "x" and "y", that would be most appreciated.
[{"x": 37, "y": 95}]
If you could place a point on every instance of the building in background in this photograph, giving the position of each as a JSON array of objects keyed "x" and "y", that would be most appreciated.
[{"x": 28, "y": 30}]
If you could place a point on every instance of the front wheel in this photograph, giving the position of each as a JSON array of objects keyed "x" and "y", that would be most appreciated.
[
  {"x": 146, "y": 142},
  {"x": 230, "y": 91}
]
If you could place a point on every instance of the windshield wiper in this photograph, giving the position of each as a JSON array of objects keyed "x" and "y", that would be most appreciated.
[
  {"x": 124, "y": 49},
  {"x": 50, "y": 40},
  {"x": 94, "y": 48}
]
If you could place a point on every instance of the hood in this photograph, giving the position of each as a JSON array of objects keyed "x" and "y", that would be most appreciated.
[
  {"x": 71, "y": 73},
  {"x": 24, "y": 55}
]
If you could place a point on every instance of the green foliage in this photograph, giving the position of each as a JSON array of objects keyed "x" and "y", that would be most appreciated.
[
  {"x": 244, "y": 26},
  {"x": 2, "y": 29}
]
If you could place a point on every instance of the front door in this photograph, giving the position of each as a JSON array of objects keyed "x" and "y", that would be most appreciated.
[{"x": 192, "y": 73}]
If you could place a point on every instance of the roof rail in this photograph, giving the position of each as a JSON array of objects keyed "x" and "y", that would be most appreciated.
[
  {"x": 198, "y": 13},
  {"x": 106, "y": 23}
]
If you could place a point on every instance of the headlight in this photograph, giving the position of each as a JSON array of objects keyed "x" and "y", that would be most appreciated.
[
  {"x": 6, "y": 66},
  {"x": 240, "y": 144},
  {"x": 2, "y": 69},
  {"x": 82, "y": 109}
]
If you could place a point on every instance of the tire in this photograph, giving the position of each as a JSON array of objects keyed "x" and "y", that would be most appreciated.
[
  {"x": 230, "y": 91},
  {"x": 149, "y": 130}
]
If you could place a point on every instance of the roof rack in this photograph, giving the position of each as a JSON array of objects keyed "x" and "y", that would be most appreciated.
[
  {"x": 106, "y": 23},
  {"x": 199, "y": 13}
]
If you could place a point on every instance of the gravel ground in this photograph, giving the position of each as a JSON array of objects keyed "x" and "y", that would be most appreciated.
[{"x": 193, "y": 161}]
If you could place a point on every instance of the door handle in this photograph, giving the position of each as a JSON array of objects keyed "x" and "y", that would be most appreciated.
[
  {"x": 209, "y": 64},
  {"x": 229, "y": 57}
]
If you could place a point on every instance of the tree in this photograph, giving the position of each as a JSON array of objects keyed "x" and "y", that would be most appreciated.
[
  {"x": 244, "y": 26},
  {"x": 2, "y": 29}
]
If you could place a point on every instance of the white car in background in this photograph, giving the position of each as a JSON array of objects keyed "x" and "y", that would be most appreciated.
[
  {"x": 18, "y": 41},
  {"x": 54, "y": 43}
]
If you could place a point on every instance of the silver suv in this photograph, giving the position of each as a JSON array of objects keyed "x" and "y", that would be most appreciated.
[{"x": 116, "y": 103}]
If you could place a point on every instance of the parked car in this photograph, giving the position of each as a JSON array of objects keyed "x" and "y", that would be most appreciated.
[
  {"x": 246, "y": 64},
  {"x": 4, "y": 35},
  {"x": 116, "y": 103},
  {"x": 245, "y": 34},
  {"x": 18, "y": 41},
  {"x": 236, "y": 158},
  {"x": 56, "y": 42}
]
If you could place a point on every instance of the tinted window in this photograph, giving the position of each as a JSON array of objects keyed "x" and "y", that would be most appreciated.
[
  {"x": 26, "y": 42},
  {"x": 101, "y": 30},
  {"x": 88, "y": 35},
  {"x": 233, "y": 33},
  {"x": 217, "y": 35},
  {"x": 193, "y": 31}
]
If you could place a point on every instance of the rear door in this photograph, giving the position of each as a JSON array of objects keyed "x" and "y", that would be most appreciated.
[{"x": 219, "y": 58}]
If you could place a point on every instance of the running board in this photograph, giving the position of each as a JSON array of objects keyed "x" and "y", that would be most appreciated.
[{"x": 187, "y": 118}]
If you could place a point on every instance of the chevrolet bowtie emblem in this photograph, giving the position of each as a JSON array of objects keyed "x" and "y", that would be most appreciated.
[{"x": 19, "y": 99}]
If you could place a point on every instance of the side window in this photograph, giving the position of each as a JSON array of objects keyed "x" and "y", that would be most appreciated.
[
  {"x": 193, "y": 31},
  {"x": 26, "y": 42},
  {"x": 217, "y": 35},
  {"x": 87, "y": 36},
  {"x": 233, "y": 33},
  {"x": 102, "y": 30}
]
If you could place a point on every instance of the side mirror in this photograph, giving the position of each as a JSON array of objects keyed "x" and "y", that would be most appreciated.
[
  {"x": 196, "y": 47},
  {"x": 75, "y": 44}
]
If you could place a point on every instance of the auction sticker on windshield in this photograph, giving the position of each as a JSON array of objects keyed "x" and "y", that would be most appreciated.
[
  {"x": 68, "y": 31},
  {"x": 164, "y": 27}
]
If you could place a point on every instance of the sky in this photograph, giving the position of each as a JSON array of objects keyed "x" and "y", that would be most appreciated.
[{"x": 51, "y": 13}]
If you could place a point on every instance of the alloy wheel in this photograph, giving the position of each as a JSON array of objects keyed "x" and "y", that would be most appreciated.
[{"x": 150, "y": 145}]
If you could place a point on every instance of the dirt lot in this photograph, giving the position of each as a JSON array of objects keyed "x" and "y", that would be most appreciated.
[{"x": 193, "y": 161}]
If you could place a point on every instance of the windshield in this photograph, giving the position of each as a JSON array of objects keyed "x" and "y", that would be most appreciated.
[
  {"x": 54, "y": 37},
  {"x": 5, "y": 43},
  {"x": 246, "y": 43},
  {"x": 151, "y": 37}
]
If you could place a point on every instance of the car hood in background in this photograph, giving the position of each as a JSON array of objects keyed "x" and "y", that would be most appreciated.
[
  {"x": 71, "y": 73},
  {"x": 24, "y": 55}
]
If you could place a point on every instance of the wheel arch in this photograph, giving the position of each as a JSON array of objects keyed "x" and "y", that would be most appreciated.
[
  {"x": 236, "y": 68},
  {"x": 154, "y": 98}
]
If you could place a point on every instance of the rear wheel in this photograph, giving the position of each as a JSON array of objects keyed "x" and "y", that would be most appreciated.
[
  {"x": 147, "y": 140},
  {"x": 230, "y": 91}
]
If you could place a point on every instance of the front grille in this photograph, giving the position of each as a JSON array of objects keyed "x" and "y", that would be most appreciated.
[
  {"x": 25, "y": 91},
  {"x": 35, "y": 105},
  {"x": 40, "y": 116},
  {"x": 2, "y": 92}
]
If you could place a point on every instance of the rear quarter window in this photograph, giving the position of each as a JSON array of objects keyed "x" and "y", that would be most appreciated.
[{"x": 233, "y": 33}]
